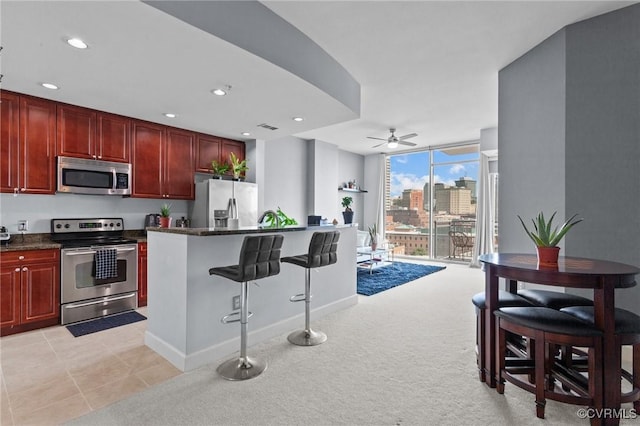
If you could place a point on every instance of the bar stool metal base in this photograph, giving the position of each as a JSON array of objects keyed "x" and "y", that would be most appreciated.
[
  {"x": 241, "y": 369},
  {"x": 307, "y": 337}
]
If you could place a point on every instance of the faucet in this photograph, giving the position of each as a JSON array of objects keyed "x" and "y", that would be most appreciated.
[{"x": 272, "y": 214}]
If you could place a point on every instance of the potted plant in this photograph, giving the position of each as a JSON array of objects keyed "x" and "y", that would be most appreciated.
[
  {"x": 347, "y": 214},
  {"x": 165, "y": 216},
  {"x": 373, "y": 234},
  {"x": 219, "y": 168},
  {"x": 238, "y": 168},
  {"x": 547, "y": 238}
]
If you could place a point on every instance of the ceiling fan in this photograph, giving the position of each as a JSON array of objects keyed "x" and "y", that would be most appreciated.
[{"x": 393, "y": 141}]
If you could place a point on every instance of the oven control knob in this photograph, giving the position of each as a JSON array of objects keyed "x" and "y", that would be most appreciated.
[
  {"x": 67, "y": 226},
  {"x": 58, "y": 226},
  {"x": 118, "y": 225},
  {"x": 111, "y": 224}
]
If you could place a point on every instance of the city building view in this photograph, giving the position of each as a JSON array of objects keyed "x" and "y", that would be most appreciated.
[{"x": 431, "y": 202}]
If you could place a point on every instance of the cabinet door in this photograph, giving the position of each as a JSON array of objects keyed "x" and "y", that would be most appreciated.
[
  {"x": 207, "y": 150},
  {"x": 229, "y": 146},
  {"x": 147, "y": 142},
  {"x": 9, "y": 295},
  {"x": 9, "y": 128},
  {"x": 76, "y": 132},
  {"x": 178, "y": 164},
  {"x": 36, "y": 156},
  {"x": 113, "y": 138},
  {"x": 142, "y": 274},
  {"x": 40, "y": 292}
]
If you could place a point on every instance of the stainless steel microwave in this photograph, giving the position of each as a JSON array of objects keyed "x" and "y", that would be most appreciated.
[{"x": 81, "y": 176}]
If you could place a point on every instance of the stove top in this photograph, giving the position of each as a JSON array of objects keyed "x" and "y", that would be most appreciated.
[{"x": 88, "y": 232}]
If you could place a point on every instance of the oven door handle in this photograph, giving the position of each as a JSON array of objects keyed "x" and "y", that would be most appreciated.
[
  {"x": 97, "y": 302},
  {"x": 80, "y": 253}
]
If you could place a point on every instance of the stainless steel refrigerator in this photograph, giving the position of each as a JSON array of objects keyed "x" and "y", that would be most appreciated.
[{"x": 216, "y": 194}]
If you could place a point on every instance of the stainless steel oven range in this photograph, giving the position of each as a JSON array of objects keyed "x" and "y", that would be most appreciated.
[{"x": 98, "y": 268}]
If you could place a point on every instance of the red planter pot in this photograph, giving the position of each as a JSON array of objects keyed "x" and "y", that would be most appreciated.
[{"x": 548, "y": 256}]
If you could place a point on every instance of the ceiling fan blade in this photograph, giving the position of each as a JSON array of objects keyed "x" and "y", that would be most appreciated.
[
  {"x": 380, "y": 144},
  {"x": 380, "y": 139},
  {"x": 407, "y": 143},
  {"x": 410, "y": 135}
]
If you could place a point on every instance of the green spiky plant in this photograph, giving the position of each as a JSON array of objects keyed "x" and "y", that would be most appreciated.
[
  {"x": 543, "y": 234},
  {"x": 373, "y": 233},
  {"x": 238, "y": 167},
  {"x": 165, "y": 210}
]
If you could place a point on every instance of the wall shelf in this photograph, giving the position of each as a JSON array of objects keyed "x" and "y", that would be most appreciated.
[{"x": 352, "y": 190}]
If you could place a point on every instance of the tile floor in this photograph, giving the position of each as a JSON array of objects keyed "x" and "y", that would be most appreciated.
[{"x": 49, "y": 376}]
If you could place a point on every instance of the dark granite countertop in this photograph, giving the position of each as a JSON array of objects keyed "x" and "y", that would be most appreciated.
[
  {"x": 203, "y": 232},
  {"x": 29, "y": 242}
]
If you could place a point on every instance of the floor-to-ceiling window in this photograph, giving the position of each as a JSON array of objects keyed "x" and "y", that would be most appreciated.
[{"x": 430, "y": 202}]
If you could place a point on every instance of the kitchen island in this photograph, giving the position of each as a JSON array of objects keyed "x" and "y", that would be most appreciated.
[{"x": 185, "y": 303}]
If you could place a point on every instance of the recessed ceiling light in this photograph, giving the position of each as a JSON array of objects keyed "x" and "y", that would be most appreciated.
[
  {"x": 77, "y": 43},
  {"x": 246, "y": 134},
  {"x": 298, "y": 119},
  {"x": 221, "y": 91},
  {"x": 169, "y": 115},
  {"x": 50, "y": 86}
]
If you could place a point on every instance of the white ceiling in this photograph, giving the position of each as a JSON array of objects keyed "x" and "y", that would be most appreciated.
[{"x": 424, "y": 67}]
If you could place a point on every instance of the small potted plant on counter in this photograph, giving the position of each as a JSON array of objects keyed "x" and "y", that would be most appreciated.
[
  {"x": 165, "y": 216},
  {"x": 219, "y": 169},
  {"x": 238, "y": 168},
  {"x": 547, "y": 238},
  {"x": 347, "y": 214}
]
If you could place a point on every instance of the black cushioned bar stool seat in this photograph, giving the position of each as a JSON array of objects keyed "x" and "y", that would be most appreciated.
[
  {"x": 323, "y": 251},
  {"x": 627, "y": 329},
  {"x": 259, "y": 258},
  {"x": 548, "y": 328},
  {"x": 505, "y": 299},
  {"x": 553, "y": 299}
]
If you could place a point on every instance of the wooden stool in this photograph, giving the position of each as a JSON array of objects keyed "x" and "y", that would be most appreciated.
[
  {"x": 505, "y": 299},
  {"x": 259, "y": 258},
  {"x": 549, "y": 327},
  {"x": 627, "y": 333}
]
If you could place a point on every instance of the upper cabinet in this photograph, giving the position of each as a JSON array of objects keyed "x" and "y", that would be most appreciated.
[
  {"x": 162, "y": 161},
  {"x": 27, "y": 144},
  {"x": 209, "y": 148},
  {"x": 85, "y": 133}
]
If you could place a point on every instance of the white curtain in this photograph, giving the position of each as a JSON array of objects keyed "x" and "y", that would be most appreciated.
[
  {"x": 485, "y": 215},
  {"x": 380, "y": 212}
]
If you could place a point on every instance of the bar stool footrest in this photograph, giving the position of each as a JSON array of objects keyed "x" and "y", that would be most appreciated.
[
  {"x": 241, "y": 369},
  {"x": 298, "y": 298},
  {"x": 307, "y": 337},
  {"x": 225, "y": 319}
]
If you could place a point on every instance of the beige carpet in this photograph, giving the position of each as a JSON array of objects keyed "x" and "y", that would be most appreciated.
[{"x": 402, "y": 357}]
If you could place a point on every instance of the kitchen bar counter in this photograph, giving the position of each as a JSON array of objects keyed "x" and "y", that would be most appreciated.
[{"x": 185, "y": 303}]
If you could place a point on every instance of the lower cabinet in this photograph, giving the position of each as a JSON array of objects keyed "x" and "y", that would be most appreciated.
[
  {"x": 142, "y": 274},
  {"x": 29, "y": 290}
]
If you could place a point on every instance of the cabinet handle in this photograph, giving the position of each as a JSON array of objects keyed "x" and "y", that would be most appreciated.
[
  {"x": 17, "y": 269},
  {"x": 25, "y": 269},
  {"x": 23, "y": 189},
  {"x": 99, "y": 157},
  {"x": 15, "y": 191},
  {"x": 20, "y": 257}
]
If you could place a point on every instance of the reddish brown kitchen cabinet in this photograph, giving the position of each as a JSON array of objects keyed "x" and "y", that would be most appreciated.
[
  {"x": 85, "y": 133},
  {"x": 228, "y": 146},
  {"x": 162, "y": 161},
  {"x": 76, "y": 132},
  {"x": 142, "y": 274},
  {"x": 207, "y": 150},
  {"x": 30, "y": 286},
  {"x": 27, "y": 144}
]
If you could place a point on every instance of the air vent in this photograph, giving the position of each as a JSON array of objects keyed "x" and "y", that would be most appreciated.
[{"x": 266, "y": 126}]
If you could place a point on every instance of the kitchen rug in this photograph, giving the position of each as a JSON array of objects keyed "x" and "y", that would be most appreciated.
[
  {"x": 104, "y": 323},
  {"x": 386, "y": 277}
]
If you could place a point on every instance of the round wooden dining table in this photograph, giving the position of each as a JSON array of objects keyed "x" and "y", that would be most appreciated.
[{"x": 602, "y": 276}]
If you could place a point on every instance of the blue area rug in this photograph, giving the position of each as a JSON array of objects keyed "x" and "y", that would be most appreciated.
[
  {"x": 390, "y": 276},
  {"x": 104, "y": 323}
]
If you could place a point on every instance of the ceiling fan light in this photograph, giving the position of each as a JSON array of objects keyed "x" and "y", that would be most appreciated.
[{"x": 392, "y": 144}]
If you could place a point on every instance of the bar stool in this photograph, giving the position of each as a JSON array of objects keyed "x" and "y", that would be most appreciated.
[
  {"x": 553, "y": 299},
  {"x": 322, "y": 252},
  {"x": 259, "y": 258},
  {"x": 505, "y": 299},
  {"x": 627, "y": 330},
  {"x": 549, "y": 327}
]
